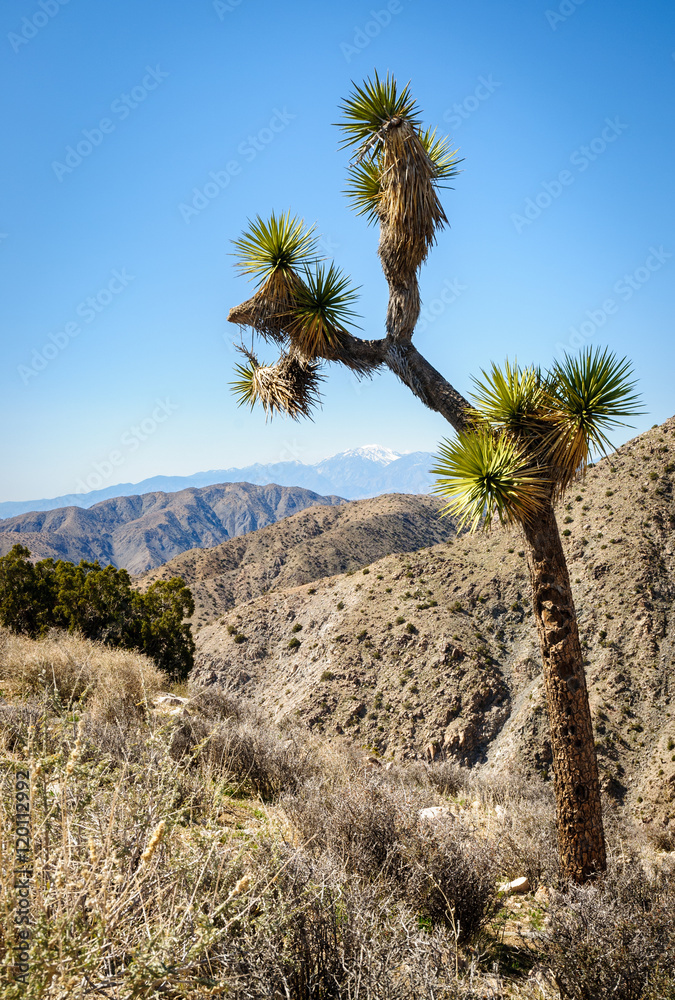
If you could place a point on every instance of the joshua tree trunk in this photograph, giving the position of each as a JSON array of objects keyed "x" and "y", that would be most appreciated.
[{"x": 581, "y": 840}]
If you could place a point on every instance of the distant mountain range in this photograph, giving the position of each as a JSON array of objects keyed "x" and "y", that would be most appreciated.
[
  {"x": 141, "y": 532},
  {"x": 355, "y": 474},
  {"x": 314, "y": 543}
]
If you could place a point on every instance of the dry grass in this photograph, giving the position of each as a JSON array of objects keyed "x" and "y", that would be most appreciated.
[
  {"x": 212, "y": 854},
  {"x": 155, "y": 876},
  {"x": 114, "y": 684}
]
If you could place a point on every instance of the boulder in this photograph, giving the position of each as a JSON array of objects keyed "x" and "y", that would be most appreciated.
[
  {"x": 433, "y": 813},
  {"x": 518, "y": 885}
]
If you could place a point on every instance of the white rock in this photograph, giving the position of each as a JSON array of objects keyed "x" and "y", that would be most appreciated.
[
  {"x": 518, "y": 885},
  {"x": 433, "y": 813},
  {"x": 169, "y": 701}
]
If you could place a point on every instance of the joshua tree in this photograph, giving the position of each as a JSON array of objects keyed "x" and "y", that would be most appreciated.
[{"x": 525, "y": 440}]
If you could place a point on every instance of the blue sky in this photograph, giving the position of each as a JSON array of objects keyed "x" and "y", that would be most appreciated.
[{"x": 115, "y": 264}]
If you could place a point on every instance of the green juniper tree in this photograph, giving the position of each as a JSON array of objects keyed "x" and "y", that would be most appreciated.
[
  {"x": 99, "y": 603},
  {"x": 517, "y": 449}
]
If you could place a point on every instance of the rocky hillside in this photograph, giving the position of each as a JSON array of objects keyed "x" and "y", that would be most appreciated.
[
  {"x": 315, "y": 543},
  {"x": 141, "y": 532},
  {"x": 436, "y": 652}
]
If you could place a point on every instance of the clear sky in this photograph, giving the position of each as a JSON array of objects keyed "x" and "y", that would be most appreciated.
[{"x": 115, "y": 235}]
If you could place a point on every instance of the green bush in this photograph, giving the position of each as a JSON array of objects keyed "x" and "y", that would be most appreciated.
[{"x": 98, "y": 604}]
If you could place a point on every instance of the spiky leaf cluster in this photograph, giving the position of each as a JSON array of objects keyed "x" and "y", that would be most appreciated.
[
  {"x": 276, "y": 245},
  {"x": 366, "y": 182},
  {"x": 396, "y": 171},
  {"x": 302, "y": 305},
  {"x": 370, "y": 110},
  {"x": 322, "y": 305},
  {"x": 531, "y": 434},
  {"x": 486, "y": 475}
]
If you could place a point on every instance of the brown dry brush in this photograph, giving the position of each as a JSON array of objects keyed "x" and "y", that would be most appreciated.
[
  {"x": 141, "y": 890},
  {"x": 159, "y": 869},
  {"x": 443, "y": 872},
  {"x": 615, "y": 938}
]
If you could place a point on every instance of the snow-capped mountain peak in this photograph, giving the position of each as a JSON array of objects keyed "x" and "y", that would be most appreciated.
[{"x": 371, "y": 452}]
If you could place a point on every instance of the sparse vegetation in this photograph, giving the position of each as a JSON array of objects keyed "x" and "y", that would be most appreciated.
[{"x": 219, "y": 853}]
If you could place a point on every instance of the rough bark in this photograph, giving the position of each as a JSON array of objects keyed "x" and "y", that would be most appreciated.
[
  {"x": 581, "y": 840},
  {"x": 426, "y": 383}
]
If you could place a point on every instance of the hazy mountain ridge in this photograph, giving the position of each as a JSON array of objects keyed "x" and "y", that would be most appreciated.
[
  {"x": 307, "y": 546},
  {"x": 140, "y": 532},
  {"x": 353, "y": 474},
  {"x": 437, "y": 653}
]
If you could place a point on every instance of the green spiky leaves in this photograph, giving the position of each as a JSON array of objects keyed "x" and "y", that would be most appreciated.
[
  {"x": 300, "y": 303},
  {"x": 395, "y": 172},
  {"x": 486, "y": 475},
  {"x": 590, "y": 393},
  {"x": 445, "y": 161},
  {"x": 364, "y": 189},
  {"x": 321, "y": 311},
  {"x": 279, "y": 244},
  {"x": 370, "y": 109},
  {"x": 511, "y": 398},
  {"x": 532, "y": 434}
]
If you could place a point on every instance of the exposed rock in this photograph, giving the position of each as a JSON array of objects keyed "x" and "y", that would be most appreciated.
[
  {"x": 434, "y": 813},
  {"x": 518, "y": 885}
]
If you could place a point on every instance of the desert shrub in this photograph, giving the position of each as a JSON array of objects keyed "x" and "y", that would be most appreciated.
[
  {"x": 526, "y": 822},
  {"x": 98, "y": 604},
  {"x": 449, "y": 879},
  {"x": 250, "y": 752},
  {"x": 113, "y": 684},
  {"x": 362, "y": 825},
  {"x": 615, "y": 937},
  {"x": 444, "y": 875},
  {"x": 447, "y": 777},
  {"x": 661, "y": 986},
  {"x": 16, "y": 724},
  {"x": 320, "y": 935},
  {"x": 215, "y": 704}
]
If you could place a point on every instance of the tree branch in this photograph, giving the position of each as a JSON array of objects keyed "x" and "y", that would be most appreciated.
[
  {"x": 404, "y": 360},
  {"x": 426, "y": 383}
]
